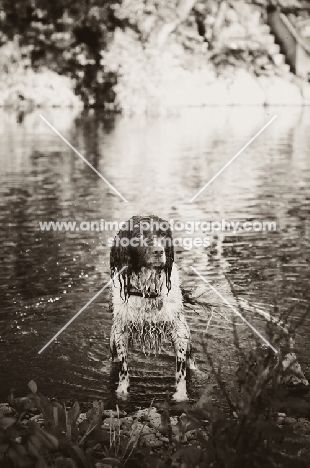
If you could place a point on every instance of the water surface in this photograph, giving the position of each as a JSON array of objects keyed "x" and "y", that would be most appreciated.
[{"x": 158, "y": 164}]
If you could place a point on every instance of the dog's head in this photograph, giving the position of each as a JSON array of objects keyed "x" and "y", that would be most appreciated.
[{"x": 143, "y": 243}]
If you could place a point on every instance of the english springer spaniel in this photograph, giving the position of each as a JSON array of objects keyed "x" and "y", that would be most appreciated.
[{"x": 146, "y": 298}]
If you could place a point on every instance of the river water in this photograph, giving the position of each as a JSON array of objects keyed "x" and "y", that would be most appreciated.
[{"x": 158, "y": 165}]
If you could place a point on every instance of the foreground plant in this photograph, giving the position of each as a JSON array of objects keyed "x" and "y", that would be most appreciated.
[
  {"x": 247, "y": 433},
  {"x": 23, "y": 446},
  {"x": 241, "y": 430},
  {"x": 67, "y": 441}
]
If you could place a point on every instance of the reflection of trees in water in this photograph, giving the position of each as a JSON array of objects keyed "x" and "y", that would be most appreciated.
[
  {"x": 51, "y": 183},
  {"x": 36, "y": 262},
  {"x": 273, "y": 266},
  {"x": 153, "y": 162},
  {"x": 32, "y": 269},
  {"x": 56, "y": 189}
]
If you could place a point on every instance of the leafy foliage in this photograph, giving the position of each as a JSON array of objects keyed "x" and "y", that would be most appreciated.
[
  {"x": 112, "y": 50},
  {"x": 70, "y": 438},
  {"x": 243, "y": 432},
  {"x": 22, "y": 446}
]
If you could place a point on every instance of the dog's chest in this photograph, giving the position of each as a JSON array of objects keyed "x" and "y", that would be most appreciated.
[
  {"x": 150, "y": 300},
  {"x": 148, "y": 318}
]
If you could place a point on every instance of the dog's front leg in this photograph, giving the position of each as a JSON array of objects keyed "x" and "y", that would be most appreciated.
[
  {"x": 119, "y": 337},
  {"x": 180, "y": 337}
]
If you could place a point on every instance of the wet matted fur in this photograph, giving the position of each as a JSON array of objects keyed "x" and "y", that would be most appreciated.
[{"x": 147, "y": 300}]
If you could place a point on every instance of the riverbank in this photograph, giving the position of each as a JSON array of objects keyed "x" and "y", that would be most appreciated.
[
  {"x": 24, "y": 89},
  {"x": 161, "y": 435},
  {"x": 251, "y": 420},
  {"x": 33, "y": 90},
  {"x": 141, "y": 62}
]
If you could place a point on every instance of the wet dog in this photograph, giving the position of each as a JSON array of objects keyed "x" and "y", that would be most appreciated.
[{"x": 146, "y": 297}]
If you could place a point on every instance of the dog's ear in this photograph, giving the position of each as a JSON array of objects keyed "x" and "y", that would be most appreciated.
[
  {"x": 169, "y": 252},
  {"x": 120, "y": 255}
]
